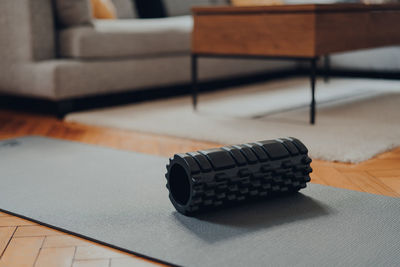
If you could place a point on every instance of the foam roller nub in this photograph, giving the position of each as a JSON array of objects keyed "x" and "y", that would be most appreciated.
[{"x": 208, "y": 179}]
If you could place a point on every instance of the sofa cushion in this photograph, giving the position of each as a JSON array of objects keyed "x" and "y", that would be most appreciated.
[
  {"x": 125, "y": 9},
  {"x": 182, "y": 7},
  {"x": 128, "y": 38},
  {"x": 103, "y": 9},
  {"x": 67, "y": 78},
  {"x": 71, "y": 13}
]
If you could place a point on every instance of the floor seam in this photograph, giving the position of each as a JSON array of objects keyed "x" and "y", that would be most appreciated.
[{"x": 8, "y": 243}]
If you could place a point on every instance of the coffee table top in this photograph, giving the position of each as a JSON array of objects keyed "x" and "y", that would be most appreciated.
[
  {"x": 299, "y": 31},
  {"x": 339, "y": 7}
]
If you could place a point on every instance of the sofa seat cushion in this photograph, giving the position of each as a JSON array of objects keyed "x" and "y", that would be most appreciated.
[{"x": 127, "y": 38}]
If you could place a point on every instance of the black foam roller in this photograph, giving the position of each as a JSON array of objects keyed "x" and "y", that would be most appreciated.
[{"x": 209, "y": 179}]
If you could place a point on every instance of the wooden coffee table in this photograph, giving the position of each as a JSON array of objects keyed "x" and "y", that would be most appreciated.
[{"x": 301, "y": 32}]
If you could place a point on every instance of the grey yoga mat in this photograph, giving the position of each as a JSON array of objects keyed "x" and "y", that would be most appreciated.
[{"x": 119, "y": 198}]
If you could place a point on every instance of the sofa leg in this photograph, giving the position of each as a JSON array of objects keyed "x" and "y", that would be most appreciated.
[{"x": 63, "y": 107}]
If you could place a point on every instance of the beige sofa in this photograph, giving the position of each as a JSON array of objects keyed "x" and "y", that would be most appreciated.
[{"x": 37, "y": 60}]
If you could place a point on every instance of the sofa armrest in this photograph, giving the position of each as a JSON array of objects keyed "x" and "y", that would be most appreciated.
[{"x": 27, "y": 31}]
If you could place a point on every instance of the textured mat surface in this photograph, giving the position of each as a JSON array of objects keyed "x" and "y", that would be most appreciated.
[{"x": 120, "y": 198}]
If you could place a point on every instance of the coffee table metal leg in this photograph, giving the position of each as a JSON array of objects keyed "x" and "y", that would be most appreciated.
[
  {"x": 313, "y": 68},
  {"x": 194, "y": 81}
]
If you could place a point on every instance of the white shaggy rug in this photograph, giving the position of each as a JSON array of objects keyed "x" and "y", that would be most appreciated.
[{"x": 356, "y": 118}]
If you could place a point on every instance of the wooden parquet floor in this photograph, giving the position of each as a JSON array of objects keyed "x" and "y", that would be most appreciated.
[{"x": 23, "y": 243}]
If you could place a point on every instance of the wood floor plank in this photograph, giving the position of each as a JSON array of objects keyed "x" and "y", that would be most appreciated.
[
  {"x": 14, "y": 221},
  {"x": 98, "y": 252},
  {"x": 316, "y": 180},
  {"x": 317, "y": 162},
  {"x": 22, "y": 252},
  {"x": 386, "y": 173},
  {"x": 92, "y": 263},
  {"x": 5, "y": 237},
  {"x": 36, "y": 230},
  {"x": 327, "y": 175},
  {"x": 55, "y": 257},
  {"x": 2, "y": 214},
  {"x": 392, "y": 154},
  {"x": 64, "y": 240},
  {"x": 374, "y": 165},
  {"x": 370, "y": 184},
  {"x": 391, "y": 182}
]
